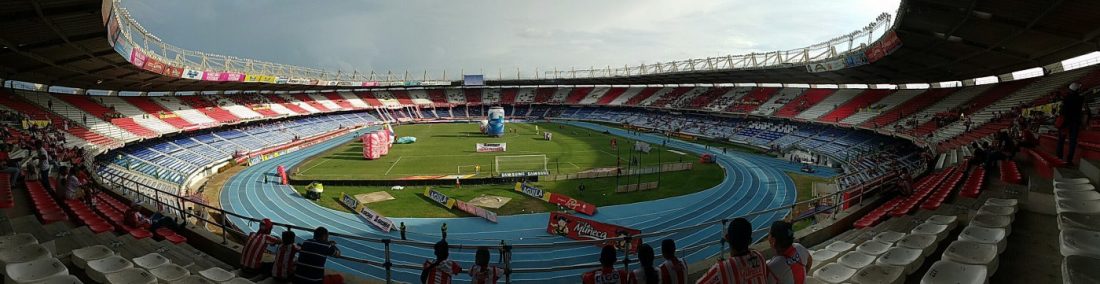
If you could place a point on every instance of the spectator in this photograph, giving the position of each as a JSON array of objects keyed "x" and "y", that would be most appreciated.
[
  {"x": 646, "y": 273},
  {"x": 792, "y": 261},
  {"x": 482, "y": 272},
  {"x": 283, "y": 267},
  {"x": 44, "y": 170},
  {"x": 1070, "y": 118},
  {"x": 744, "y": 265},
  {"x": 252, "y": 254},
  {"x": 310, "y": 265},
  {"x": 440, "y": 270},
  {"x": 673, "y": 271},
  {"x": 133, "y": 217},
  {"x": 606, "y": 274}
]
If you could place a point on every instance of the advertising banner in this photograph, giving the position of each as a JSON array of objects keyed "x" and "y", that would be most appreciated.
[
  {"x": 280, "y": 80},
  {"x": 491, "y": 147},
  {"x": 888, "y": 44},
  {"x": 192, "y": 74},
  {"x": 153, "y": 65},
  {"x": 173, "y": 71},
  {"x": 137, "y": 57},
  {"x": 369, "y": 84},
  {"x": 379, "y": 221},
  {"x": 435, "y": 83},
  {"x": 825, "y": 66},
  {"x": 231, "y": 76},
  {"x": 252, "y": 78},
  {"x": 112, "y": 29},
  {"x": 212, "y": 76},
  {"x": 450, "y": 203},
  {"x": 123, "y": 48},
  {"x": 440, "y": 198},
  {"x": 476, "y": 211},
  {"x": 856, "y": 59},
  {"x": 582, "y": 229},
  {"x": 473, "y": 80},
  {"x": 556, "y": 198}
]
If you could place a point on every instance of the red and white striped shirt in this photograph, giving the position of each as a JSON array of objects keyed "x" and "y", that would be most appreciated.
[
  {"x": 490, "y": 275},
  {"x": 604, "y": 275},
  {"x": 443, "y": 272},
  {"x": 750, "y": 268},
  {"x": 253, "y": 253},
  {"x": 284, "y": 261},
  {"x": 673, "y": 272}
]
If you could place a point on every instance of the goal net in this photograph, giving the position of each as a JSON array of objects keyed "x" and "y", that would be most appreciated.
[{"x": 521, "y": 164}]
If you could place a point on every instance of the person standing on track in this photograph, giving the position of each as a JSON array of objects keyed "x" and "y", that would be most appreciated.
[
  {"x": 606, "y": 274},
  {"x": 745, "y": 266}
]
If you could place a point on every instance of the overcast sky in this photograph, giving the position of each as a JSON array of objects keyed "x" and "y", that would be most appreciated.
[{"x": 475, "y": 35}]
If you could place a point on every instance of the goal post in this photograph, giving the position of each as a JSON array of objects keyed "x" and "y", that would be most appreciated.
[
  {"x": 504, "y": 165},
  {"x": 469, "y": 169}
]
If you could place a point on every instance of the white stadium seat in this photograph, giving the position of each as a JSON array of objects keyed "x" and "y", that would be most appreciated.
[
  {"x": 840, "y": 247},
  {"x": 1080, "y": 242},
  {"x": 60, "y": 279},
  {"x": 1071, "y": 180},
  {"x": 940, "y": 231},
  {"x": 889, "y": 237},
  {"x": 1091, "y": 207},
  {"x": 906, "y": 258},
  {"x": 973, "y": 253},
  {"x": 131, "y": 276},
  {"x": 217, "y": 274},
  {"x": 81, "y": 256},
  {"x": 1078, "y": 269},
  {"x": 824, "y": 256},
  {"x": 924, "y": 243},
  {"x": 985, "y": 235},
  {"x": 950, "y": 220},
  {"x": 834, "y": 273},
  {"x": 950, "y": 272},
  {"x": 34, "y": 271},
  {"x": 1073, "y": 187},
  {"x": 193, "y": 279},
  {"x": 1002, "y": 202},
  {"x": 993, "y": 221},
  {"x": 25, "y": 253},
  {"x": 98, "y": 269},
  {"x": 877, "y": 273},
  {"x": 1084, "y": 195},
  {"x": 17, "y": 240},
  {"x": 238, "y": 280},
  {"x": 150, "y": 261},
  {"x": 1079, "y": 221},
  {"x": 874, "y": 247},
  {"x": 856, "y": 260},
  {"x": 170, "y": 273}
]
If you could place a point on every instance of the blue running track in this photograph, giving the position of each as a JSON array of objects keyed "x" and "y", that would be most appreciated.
[{"x": 752, "y": 183}]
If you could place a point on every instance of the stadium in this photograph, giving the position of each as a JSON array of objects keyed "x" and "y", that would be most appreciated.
[{"x": 944, "y": 142}]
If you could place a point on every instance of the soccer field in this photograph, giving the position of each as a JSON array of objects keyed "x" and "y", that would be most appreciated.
[{"x": 449, "y": 149}]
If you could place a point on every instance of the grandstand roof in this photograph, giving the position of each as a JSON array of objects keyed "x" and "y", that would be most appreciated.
[{"x": 64, "y": 43}]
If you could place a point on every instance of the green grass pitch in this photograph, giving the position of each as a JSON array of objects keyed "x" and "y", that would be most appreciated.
[{"x": 441, "y": 148}]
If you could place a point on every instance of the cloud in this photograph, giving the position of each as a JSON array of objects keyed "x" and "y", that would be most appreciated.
[{"x": 475, "y": 35}]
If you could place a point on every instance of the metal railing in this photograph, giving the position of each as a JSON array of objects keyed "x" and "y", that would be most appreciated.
[
  {"x": 175, "y": 205},
  {"x": 856, "y": 41}
]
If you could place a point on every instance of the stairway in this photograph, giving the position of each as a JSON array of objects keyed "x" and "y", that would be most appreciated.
[
  {"x": 156, "y": 110},
  {"x": 14, "y": 102},
  {"x": 861, "y": 101}
]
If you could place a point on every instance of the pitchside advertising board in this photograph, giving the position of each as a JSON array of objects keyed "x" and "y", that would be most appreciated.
[
  {"x": 451, "y": 203},
  {"x": 556, "y": 198},
  {"x": 491, "y": 147},
  {"x": 379, "y": 221},
  {"x": 524, "y": 174},
  {"x": 582, "y": 229}
]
